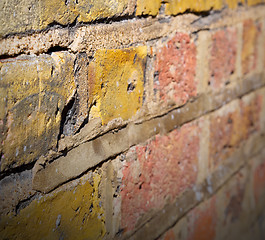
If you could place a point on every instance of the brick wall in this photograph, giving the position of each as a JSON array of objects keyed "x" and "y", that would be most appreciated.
[{"x": 132, "y": 119}]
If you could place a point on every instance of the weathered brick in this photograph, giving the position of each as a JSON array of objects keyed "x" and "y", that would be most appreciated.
[
  {"x": 225, "y": 133},
  {"x": 117, "y": 83},
  {"x": 158, "y": 172},
  {"x": 231, "y": 125},
  {"x": 176, "y": 66},
  {"x": 179, "y": 6},
  {"x": 202, "y": 221},
  {"x": 74, "y": 213},
  {"x": 148, "y": 7},
  {"x": 223, "y": 57},
  {"x": 19, "y": 16},
  {"x": 251, "y": 32},
  {"x": 35, "y": 91}
]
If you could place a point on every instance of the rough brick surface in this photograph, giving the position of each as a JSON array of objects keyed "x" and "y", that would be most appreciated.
[
  {"x": 163, "y": 168},
  {"x": 223, "y": 57},
  {"x": 132, "y": 119},
  {"x": 34, "y": 15},
  {"x": 175, "y": 67},
  {"x": 35, "y": 91},
  {"x": 117, "y": 83},
  {"x": 73, "y": 213}
]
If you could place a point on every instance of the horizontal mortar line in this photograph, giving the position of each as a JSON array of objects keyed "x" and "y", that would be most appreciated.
[
  {"x": 233, "y": 164},
  {"x": 92, "y": 153},
  {"x": 253, "y": 83},
  {"x": 134, "y": 31}
]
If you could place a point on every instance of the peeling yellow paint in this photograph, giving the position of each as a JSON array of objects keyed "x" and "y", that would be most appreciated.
[
  {"x": 71, "y": 214},
  {"x": 117, "y": 82}
]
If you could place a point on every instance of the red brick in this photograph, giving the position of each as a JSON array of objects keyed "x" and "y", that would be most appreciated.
[
  {"x": 175, "y": 66},
  {"x": 163, "y": 168},
  {"x": 223, "y": 57},
  {"x": 202, "y": 221},
  {"x": 228, "y": 129},
  {"x": 225, "y": 135},
  {"x": 251, "y": 32},
  {"x": 259, "y": 182}
]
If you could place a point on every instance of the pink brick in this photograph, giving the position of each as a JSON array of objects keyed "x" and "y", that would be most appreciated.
[
  {"x": 175, "y": 66},
  {"x": 223, "y": 57},
  {"x": 162, "y": 169}
]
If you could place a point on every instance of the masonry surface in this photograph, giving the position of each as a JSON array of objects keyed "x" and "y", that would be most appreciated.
[{"x": 132, "y": 119}]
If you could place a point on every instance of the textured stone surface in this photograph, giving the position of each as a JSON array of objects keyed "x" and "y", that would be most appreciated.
[
  {"x": 161, "y": 169},
  {"x": 117, "y": 83},
  {"x": 35, "y": 91},
  {"x": 71, "y": 213},
  {"x": 223, "y": 57},
  {"x": 175, "y": 67}
]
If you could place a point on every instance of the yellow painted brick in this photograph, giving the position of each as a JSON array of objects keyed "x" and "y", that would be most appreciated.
[
  {"x": 233, "y": 3},
  {"x": 254, "y": 2},
  {"x": 34, "y": 90},
  {"x": 148, "y": 7},
  {"x": 179, "y": 6},
  {"x": 117, "y": 84},
  {"x": 24, "y": 15},
  {"x": 71, "y": 214}
]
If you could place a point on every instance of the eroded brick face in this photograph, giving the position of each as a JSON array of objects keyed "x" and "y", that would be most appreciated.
[
  {"x": 223, "y": 57},
  {"x": 175, "y": 66},
  {"x": 158, "y": 172}
]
